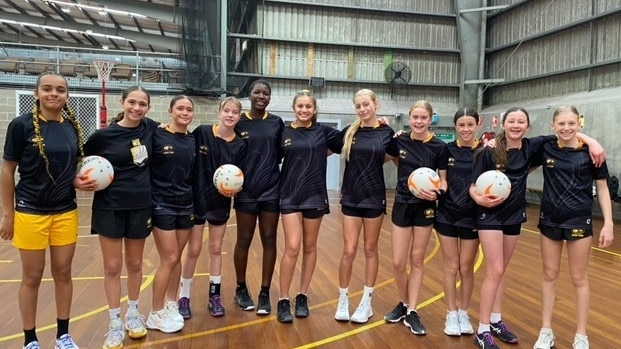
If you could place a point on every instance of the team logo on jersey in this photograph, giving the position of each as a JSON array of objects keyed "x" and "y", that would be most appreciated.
[
  {"x": 244, "y": 135},
  {"x": 483, "y": 215},
  {"x": 430, "y": 213},
  {"x": 35, "y": 141},
  {"x": 140, "y": 155},
  {"x": 402, "y": 154},
  {"x": 353, "y": 140},
  {"x": 577, "y": 233},
  {"x": 287, "y": 142},
  {"x": 168, "y": 149},
  {"x": 451, "y": 162},
  {"x": 500, "y": 167},
  {"x": 550, "y": 163},
  {"x": 149, "y": 225},
  {"x": 203, "y": 149}
]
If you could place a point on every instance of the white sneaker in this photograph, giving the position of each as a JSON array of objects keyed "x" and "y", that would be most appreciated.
[
  {"x": 33, "y": 345},
  {"x": 581, "y": 342},
  {"x": 362, "y": 313},
  {"x": 134, "y": 324},
  {"x": 465, "y": 327},
  {"x": 173, "y": 309},
  {"x": 65, "y": 342},
  {"x": 342, "y": 310},
  {"x": 451, "y": 325},
  {"x": 162, "y": 321},
  {"x": 545, "y": 340},
  {"x": 115, "y": 335}
]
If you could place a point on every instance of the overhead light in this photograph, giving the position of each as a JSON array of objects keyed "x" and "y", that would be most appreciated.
[
  {"x": 104, "y": 47},
  {"x": 100, "y": 10},
  {"x": 102, "y": 13},
  {"x": 66, "y": 9},
  {"x": 89, "y": 32}
]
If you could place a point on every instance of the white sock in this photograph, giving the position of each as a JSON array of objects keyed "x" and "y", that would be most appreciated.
[
  {"x": 367, "y": 294},
  {"x": 452, "y": 312},
  {"x": 216, "y": 279},
  {"x": 114, "y": 313},
  {"x": 184, "y": 290},
  {"x": 483, "y": 328},
  {"x": 343, "y": 291},
  {"x": 461, "y": 312},
  {"x": 132, "y": 305},
  {"x": 495, "y": 317}
]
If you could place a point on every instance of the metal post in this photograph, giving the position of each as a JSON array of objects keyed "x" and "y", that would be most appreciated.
[{"x": 224, "y": 15}]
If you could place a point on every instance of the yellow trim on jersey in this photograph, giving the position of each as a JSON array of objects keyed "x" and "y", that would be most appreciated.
[
  {"x": 40, "y": 116},
  {"x": 474, "y": 145},
  {"x": 214, "y": 128},
  {"x": 250, "y": 117},
  {"x": 169, "y": 129},
  {"x": 427, "y": 139},
  {"x": 294, "y": 125},
  {"x": 579, "y": 146}
]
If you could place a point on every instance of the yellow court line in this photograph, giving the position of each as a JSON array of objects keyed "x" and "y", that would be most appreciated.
[
  {"x": 93, "y": 312},
  {"x": 382, "y": 321},
  {"x": 616, "y": 254}
]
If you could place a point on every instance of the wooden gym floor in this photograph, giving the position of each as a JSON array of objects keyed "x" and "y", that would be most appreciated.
[{"x": 240, "y": 329}]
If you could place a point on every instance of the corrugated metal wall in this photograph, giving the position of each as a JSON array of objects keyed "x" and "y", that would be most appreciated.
[
  {"x": 350, "y": 45},
  {"x": 549, "y": 48}
]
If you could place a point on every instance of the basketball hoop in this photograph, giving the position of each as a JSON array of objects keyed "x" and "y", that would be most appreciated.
[{"x": 104, "y": 68}]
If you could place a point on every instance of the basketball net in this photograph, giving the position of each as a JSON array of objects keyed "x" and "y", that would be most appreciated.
[{"x": 104, "y": 68}]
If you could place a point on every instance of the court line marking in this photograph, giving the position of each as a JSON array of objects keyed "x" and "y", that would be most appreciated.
[{"x": 149, "y": 281}]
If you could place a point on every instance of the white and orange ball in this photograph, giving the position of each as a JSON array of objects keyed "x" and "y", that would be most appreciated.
[
  {"x": 95, "y": 167},
  {"x": 228, "y": 179},
  {"x": 423, "y": 178},
  {"x": 495, "y": 183}
]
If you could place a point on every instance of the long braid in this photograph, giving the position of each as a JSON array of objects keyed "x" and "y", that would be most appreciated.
[
  {"x": 39, "y": 139},
  {"x": 78, "y": 128}
]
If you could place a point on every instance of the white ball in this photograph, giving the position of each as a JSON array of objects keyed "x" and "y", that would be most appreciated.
[
  {"x": 495, "y": 183},
  {"x": 228, "y": 179},
  {"x": 423, "y": 178},
  {"x": 97, "y": 168}
]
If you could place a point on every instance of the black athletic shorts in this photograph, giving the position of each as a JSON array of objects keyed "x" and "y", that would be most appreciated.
[{"x": 130, "y": 224}]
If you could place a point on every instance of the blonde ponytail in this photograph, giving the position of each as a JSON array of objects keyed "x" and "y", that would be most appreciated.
[{"x": 349, "y": 138}]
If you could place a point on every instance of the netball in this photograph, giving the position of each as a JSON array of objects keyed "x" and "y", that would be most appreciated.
[
  {"x": 423, "y": 178},
  {"x": 228, "y": 179},
  {"x": 495, "y": 183},
  {"x": 97, "y": 168}
]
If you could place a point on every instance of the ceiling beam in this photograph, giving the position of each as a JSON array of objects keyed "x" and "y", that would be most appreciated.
[
  {"x": 165, "y": 42},
  {"x": 165, "y": 13}
]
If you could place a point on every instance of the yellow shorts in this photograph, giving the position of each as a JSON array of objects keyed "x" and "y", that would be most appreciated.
[{"x": 37, "y": 232}]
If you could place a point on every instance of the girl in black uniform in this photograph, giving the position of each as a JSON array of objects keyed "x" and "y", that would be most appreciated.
[
  {"x": 499, "y": 221},
  {"x": 215, "y": 145},
  {"x": 303, "y": 197},
  {"x": 41, "y": 211},
  {"x": 566, "y": 214},
  {"x": 259, "y": 199},
  {"x": 363, "y": 199},
  {"x": 172, "y": 215},
  {"x": 122, "y": 212},
  {"x": 456, "y": 224},
  {"x": 413, "y": 216}
]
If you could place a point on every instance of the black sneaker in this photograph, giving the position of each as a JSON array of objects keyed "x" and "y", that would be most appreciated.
[
  {"x": 397, "y": 314},
  {"x": 284, "y": 311},
  {"x": 265, "y": 308},
  {"x": 485, "y": 340},
  {"x": 301, "y": 305},
  {"x": 243, "y": 299},
  {"x": 412, "y": 320},
  {"x": 503, "y": 332}
]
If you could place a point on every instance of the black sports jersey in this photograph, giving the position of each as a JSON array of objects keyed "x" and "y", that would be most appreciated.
[
  {"x": 211, "y": 153},
  {"x": 414, "y": 154},
  {"x": 568, "y": 175},
  {"x": 36, "y": 192},
  {"x": 129, "y": 151},
  {"x": 513, "y": 210},
  {"x": 171, "y": 172},
  {"x": 363, "y": 180},
  {"x": 456, "y": 207},
  {"x": 303, "y": 173},
  {"x": 261, "y": 172}
]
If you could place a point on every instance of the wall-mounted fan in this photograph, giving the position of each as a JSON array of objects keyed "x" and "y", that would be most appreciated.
[{"x": 398, "y": 73}]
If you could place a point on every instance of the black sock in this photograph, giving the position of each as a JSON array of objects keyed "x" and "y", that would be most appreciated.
[
  {"x": 241, "y": 285},
  {"x": 63, "y": 327},
  {"x": 265, "y": 290},
  {"x": 214, "y": 289},
  {"x": 30, "y": 336}
]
